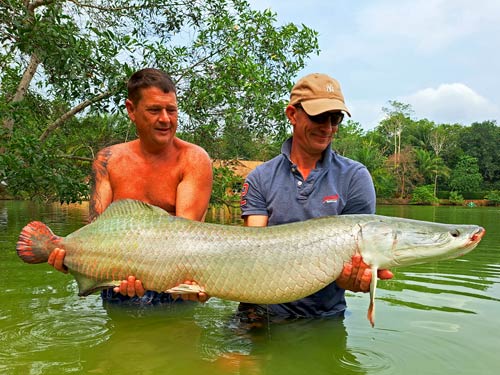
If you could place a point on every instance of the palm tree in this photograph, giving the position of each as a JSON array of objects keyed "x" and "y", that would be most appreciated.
[{"x": 430, "y": 167}]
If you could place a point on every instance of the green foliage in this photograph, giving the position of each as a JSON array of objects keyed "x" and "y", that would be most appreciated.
[
  {"x": 424, "y": 195},
  {"x": 226, "y": 187},
  {"x": 481, "y": 141},
  {"x": 456, "y": 198},
  {"x": 232, "y": 74},
  {"x": 385, "y": 183},
  {"x": 64, "y": 66},
  {"x": 443, "y": 194},
  {"x": 353, "y": 143},
  {"x": 474, "y": 194},
  {"x": 465, "y": 176},
  {"x": 494, "y": 197},
  {"x": 33, "y": 172},
  {"x": 240, "y": 88}
]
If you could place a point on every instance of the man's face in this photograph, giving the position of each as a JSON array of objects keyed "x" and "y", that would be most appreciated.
[
  {"x": 155, "y": 116},
  {"x": 312, "y": 133}
]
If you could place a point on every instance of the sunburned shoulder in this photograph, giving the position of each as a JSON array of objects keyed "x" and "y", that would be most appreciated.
[
  {"x": 190, "y": 151},
  {"x": 120, "y": 148}
]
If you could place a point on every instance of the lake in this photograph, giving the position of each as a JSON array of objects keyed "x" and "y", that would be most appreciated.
[{"x": 439, "y": 318}]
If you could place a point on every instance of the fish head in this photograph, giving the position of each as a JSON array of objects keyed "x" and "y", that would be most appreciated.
[{"x": 391, "y": 242}]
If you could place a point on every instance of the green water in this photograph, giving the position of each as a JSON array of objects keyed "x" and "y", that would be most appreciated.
[{"x": 440, "y": 318}]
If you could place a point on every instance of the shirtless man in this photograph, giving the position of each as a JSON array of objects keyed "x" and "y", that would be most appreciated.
[{"x": 157, "y": 168}]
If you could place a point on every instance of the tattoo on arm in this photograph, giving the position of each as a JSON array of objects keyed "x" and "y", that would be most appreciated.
[{"x": 99, "y": 172}]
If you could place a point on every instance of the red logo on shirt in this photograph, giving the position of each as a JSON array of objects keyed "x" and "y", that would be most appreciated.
[
  {"x": 330, "y": 199},
  {"x": 244, "y": 191}
]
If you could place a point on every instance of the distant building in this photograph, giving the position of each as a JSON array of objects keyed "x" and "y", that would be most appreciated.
[{"x": 240, "y": 168}]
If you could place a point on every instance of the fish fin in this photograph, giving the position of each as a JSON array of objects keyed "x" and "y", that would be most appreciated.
[
  {"x": 185, "y": 289},
  {"x": 373, "y": 288},
  {"x": 36, "y": 242},
  {"x": 87, "y": 286}
]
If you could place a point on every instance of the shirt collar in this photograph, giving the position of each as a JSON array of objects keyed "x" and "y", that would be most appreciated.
[{"x": 325, "y": 162}]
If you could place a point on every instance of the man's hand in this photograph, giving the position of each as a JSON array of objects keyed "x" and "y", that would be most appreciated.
[
  {"x": 196, "y": 297},
  {"x": 357, "y": 275},
  {"x": 56, "y": 260},
  {"x": 133, "y": 287},
  {"x": 130, "y": 287}
]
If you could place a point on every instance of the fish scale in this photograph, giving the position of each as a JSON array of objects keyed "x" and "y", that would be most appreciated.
[{"x": 260, "y": 265}]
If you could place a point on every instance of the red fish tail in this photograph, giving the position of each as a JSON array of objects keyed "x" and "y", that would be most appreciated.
[{"x": 36, "y": 242}]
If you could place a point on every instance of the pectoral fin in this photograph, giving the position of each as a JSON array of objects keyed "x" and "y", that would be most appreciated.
[
  {"x": 185, "y": 289},
  {"x": 373, "y": 288},
  {"x": 88, "y": 286}
]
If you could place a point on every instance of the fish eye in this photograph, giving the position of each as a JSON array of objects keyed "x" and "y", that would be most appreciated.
[{"x": 455, "y": 233}]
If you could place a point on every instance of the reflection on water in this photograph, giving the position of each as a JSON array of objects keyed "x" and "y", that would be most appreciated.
[
  {"x": 273, "y": 347},
  {"x": 431, "y": 318}
]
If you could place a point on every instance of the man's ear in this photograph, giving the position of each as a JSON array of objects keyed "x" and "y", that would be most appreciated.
[
  {"x": 130, "y": 109},
  {"x": 291, "y": 113}
]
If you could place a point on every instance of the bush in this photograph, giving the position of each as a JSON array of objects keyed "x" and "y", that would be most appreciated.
[
  {"x": 443, "y": 194},
  {"x": 226, "y": 186},
  {"x": 494, "y": 197},
  {"x": 473, "y": 195},
  {"x": 424, "y": 195},
  {"x": 456, "y": 198}
]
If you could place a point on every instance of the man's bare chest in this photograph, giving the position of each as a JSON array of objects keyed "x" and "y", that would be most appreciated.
[{"x": 154, "y": 186}]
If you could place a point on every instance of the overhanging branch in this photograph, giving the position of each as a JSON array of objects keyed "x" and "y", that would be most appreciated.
[{"x": 80, "y": 107}]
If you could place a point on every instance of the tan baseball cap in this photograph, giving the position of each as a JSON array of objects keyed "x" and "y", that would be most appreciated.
[{"x": 318, "y": 93}]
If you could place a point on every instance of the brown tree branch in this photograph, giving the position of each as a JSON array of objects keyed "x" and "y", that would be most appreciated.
[
  {"x": 80, "y": 107},
  {"x": 31, "y": 6}
]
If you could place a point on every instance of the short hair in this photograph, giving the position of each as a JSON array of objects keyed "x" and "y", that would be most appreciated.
[{"x": 148, "y": 77}]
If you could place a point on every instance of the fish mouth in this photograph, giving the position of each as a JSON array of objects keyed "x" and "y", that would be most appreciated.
[
  {"x": 474, "y": 240},
  {"x": 476, "y": 237}
]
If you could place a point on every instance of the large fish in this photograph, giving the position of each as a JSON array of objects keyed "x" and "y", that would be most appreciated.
[{"x": 274, "y": 264}]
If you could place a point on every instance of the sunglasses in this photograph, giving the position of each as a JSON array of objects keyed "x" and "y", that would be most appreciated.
[{"x": 334, "y": 117}]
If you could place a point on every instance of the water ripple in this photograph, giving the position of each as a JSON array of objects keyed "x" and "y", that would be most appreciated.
[
  {"x": 373, "y": 361},
  {"x": 62, "y": 324}
]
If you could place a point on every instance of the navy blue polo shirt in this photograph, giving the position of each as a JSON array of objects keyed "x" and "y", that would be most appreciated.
[{"x": 336, "y": 186}]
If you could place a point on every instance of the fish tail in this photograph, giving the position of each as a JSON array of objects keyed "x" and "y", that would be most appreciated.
[{"x": 36, "y": 242}]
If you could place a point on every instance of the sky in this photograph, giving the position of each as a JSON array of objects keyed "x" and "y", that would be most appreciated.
[{"x": 440, "y": 56}]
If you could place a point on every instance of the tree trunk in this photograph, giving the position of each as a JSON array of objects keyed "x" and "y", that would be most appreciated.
[
  {"x": 22, "y": 88},
  {"x": 435, "y": 184}
]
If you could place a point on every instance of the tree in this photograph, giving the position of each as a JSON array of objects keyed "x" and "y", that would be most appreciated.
[
  {"x": 232, "y": 65},
  {"x": 465, "y": 177},
  {"x": 430, "y": 167},
  {"x": 348, "y": 138},
  {"x": 352, "y": 142},
  {"x": 395, "y": 122},
  {"x": 405, "y": 172},
  {"x": 424, "y": 195},
  {"x": 419, "y": 133},
  {"x": 481, "y": 140},
  {"x": 445, "y": 143}
]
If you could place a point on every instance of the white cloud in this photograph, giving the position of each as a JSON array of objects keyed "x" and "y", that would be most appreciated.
[
  {"x": 388, "y": 49},
  {"x": 451, "y": 103}
]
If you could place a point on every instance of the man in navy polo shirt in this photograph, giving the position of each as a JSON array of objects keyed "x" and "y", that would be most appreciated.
[{"x": 309, "y": 180}]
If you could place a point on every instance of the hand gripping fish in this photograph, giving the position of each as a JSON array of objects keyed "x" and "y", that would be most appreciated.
[{"x": 261, "y": 265}]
